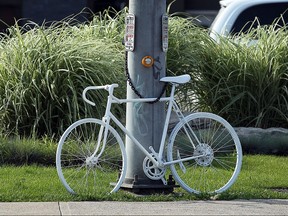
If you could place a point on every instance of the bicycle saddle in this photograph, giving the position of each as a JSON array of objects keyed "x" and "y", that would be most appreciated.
[{"x": 176, "y": 79}]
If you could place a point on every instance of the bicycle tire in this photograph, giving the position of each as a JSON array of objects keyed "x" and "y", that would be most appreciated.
[
  {"x": 77, "y": 173},
  {"x": 217, "y": 141}
]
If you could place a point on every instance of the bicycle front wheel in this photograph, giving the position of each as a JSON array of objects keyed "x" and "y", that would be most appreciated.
[
  {"x": 81, "y": 167},
  {"x": 207, "y": 153}
]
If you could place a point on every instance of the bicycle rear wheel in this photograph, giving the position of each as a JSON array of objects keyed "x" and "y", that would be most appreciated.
[
  {"x": 78, "y": 171},
  {"x": 215, "y": 147}
]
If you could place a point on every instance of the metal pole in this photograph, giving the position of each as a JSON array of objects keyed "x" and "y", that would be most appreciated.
[{"x": 144, "y": 120}]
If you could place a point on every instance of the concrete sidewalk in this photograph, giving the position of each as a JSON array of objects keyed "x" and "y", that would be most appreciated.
[{"x": 235, "y": 207}]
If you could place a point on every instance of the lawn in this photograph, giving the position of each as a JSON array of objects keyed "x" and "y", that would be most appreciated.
[{"x": 261, "y": 177}]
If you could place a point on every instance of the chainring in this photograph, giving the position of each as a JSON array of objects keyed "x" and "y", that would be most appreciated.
[{"x": 151, "y": 171}]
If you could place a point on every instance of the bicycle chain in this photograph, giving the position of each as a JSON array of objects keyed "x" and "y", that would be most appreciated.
[{"x": 133, "y": 86}]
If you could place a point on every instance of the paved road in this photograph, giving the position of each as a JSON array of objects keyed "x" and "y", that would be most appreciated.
[{"x": 235, "y": 207}]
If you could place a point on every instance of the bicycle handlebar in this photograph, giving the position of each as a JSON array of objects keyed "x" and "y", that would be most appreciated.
[
  {"x": 108, "y": 88},
  {"x": 174, "y": 80}
]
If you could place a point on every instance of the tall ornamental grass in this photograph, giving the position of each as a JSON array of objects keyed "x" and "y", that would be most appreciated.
[
  {"x": 43, "y": 71},
  {"x": 244, "y": 78},
  {"x": 183, "y": 57}
]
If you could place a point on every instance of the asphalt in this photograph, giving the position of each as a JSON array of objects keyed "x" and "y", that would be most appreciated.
[{"x": 235, "y": 207}]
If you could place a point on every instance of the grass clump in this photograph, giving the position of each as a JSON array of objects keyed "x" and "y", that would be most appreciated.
[
  {"x": 183, "y": 56},
  {"x": 44, "y": 70},
  {"x": 244, "y": 78},
  {"x": 19, "y": 151}
]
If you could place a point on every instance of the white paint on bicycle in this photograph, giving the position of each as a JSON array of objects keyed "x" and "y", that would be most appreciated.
[
  {"x": 154, "y": 164},
  {"x": 153, "y": 171},
  {"x": 207, "y": 151},
  {"x": 182, "y": 167},
  {"x": 91, "y": 161}
]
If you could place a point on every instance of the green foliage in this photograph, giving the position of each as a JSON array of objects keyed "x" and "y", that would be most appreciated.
[
  {"x": 19, "y": 151},
  {"x": 261, "y": 177},
  {"x": 44, "y": 70},
  {"x": 31, "y": 183},
  {"x": 183, "y": 56},
  {"x": 244, "y": 78}
]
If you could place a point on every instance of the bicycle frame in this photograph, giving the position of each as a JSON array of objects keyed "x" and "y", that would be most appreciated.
[
  {"x": 110, "y": 116},
  {"x": 203, "y": 151}
]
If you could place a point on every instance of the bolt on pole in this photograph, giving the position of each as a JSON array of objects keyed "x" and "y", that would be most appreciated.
[{"x": 146, "y": 64}]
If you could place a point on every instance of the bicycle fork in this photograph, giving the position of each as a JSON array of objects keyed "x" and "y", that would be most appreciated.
[
  {"x": 103, "y": 134},
  {"x": 93, "y": 159}
]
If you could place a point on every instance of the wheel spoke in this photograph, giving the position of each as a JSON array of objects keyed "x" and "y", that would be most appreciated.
[
  {"x": 220, "y": 164},
  {"x": 81, "y": 172}
]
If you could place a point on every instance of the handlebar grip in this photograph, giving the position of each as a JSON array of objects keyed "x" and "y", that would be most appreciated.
[
  {"x": 84, "y": 94},
  {"x": 108, "y": 88}
]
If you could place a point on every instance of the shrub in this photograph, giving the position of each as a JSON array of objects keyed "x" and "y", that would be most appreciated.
[
  {"x": 44, "y": 70},
  {"x": 19, "y": 151},
  {"x": 246, "y": 82},
  {"x": 183, "y": 56}
]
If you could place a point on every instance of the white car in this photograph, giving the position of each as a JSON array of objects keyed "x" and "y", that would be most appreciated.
[{"x": 235, "y": 14}]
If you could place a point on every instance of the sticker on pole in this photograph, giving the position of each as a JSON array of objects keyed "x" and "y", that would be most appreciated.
[
  {"x": 165, "y": 33},
  {"x": 129, "y": 32}
]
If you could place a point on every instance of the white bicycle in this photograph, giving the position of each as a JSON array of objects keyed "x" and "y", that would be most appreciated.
[{"x": 203, "y": 150}]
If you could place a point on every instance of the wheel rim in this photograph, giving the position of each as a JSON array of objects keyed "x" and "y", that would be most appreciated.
[
  {"x": 82, "y": 174},
  {"x": 220, "y": 164}
]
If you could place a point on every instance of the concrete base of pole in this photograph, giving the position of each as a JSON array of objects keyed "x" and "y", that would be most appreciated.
[{"x": 144, "y": 186}]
